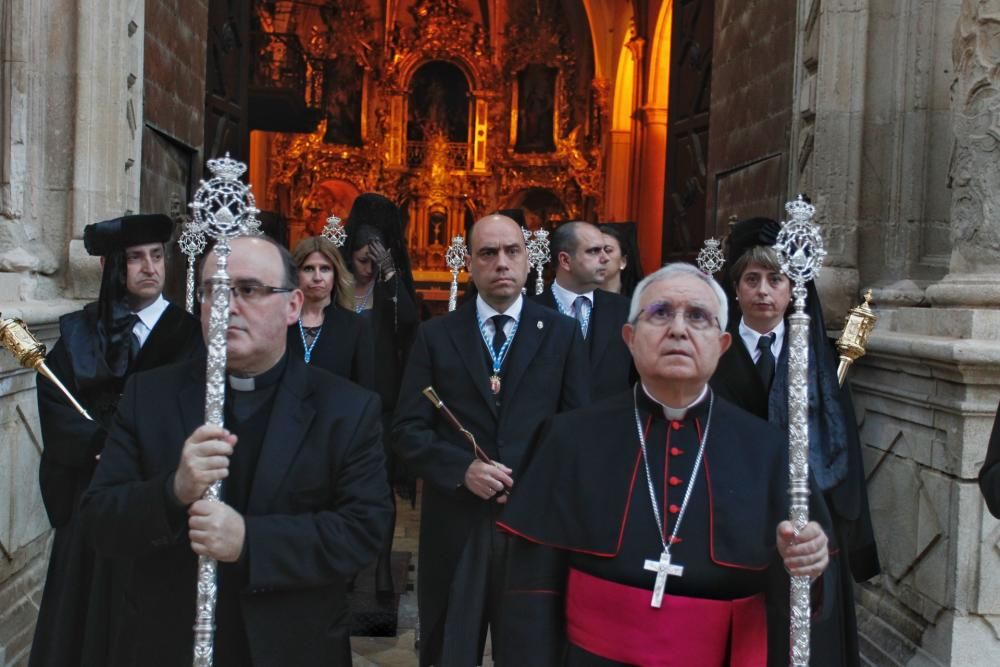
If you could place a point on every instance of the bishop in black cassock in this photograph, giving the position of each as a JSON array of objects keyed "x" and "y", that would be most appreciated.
[{"x": 594, "y": 522}]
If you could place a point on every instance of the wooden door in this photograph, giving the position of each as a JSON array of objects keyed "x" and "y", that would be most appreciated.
[{"x": 687, "y": 129}]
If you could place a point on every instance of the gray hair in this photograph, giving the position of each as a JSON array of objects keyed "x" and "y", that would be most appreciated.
[{"x": 674, "y": 270}]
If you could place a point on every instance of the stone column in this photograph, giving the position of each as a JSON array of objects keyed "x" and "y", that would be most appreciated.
[
  {"x": 70, "y": 135},
  {"x": 651, "y": 184},
  {"x": 929, "y": 387}
]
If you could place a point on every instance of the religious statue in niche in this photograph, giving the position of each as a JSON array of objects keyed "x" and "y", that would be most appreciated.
[
  {"x": 343, "y": 82},
  {"x": 536, "y": 95},
  {"x": 437, "y": 223},
  {"x": 439, "y": 102}
]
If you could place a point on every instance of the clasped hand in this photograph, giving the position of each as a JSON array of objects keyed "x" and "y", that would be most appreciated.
[
  {"x": 487, "y": 480},
  {"x": 804, "y": 554},
  {"x": 215, "y": 529}
]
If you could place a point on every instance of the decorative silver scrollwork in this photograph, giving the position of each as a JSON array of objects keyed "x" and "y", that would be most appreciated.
[
  {"x": 455, "y": 258},
  {"x": 192, "y": 243},
  {"x": 800, "y": 251},
  {"x": 539, "y": 255},
  {"x": 334, "y": 232},
  {"x": 223, "y": 208},
  {"x": 710, "y": 259}
]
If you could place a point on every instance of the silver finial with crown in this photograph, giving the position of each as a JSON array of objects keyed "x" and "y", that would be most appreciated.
[
  {"x": 334, "y": 232},
  {"x": 710, "y": 259}
]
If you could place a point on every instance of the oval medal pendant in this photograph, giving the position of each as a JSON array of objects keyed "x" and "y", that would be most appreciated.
[{"x": 495, "y": 384}]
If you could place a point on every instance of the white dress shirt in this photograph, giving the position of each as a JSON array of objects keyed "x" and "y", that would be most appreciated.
[
  {"x": 148, "y": 317},
  {"x": 567, "y": 298},
  {"x": 486, "y": 311},
  {"x": 750, "y": 338}
]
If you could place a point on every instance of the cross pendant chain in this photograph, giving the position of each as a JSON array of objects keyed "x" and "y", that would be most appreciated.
[{"x": 663, "y": 569}]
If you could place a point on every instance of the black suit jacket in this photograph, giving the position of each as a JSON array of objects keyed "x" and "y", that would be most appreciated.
[
  {"x": 317, "y": 512},
  {"x": 611, "y": 369},
  {"x": 344, "y": 347},
  {"x": 545, "y": 372}
]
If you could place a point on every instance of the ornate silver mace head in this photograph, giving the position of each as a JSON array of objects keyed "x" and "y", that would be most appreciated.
[
  {"x": 539, "y": 255},
  {"x": 710, "y": 259},
  {"x": 454, "y": 257},
  {"x": 224, "y": 206},
  {"x": 334, "y": 232},
  {"x": 800, "y": 247},
  {"x": 192, "y": 241}
]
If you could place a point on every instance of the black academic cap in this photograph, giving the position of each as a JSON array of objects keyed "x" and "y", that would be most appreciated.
[{"x": 111, "y": 236}]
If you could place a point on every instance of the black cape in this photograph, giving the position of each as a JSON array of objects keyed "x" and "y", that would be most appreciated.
[
  {"x": 589, "y": 477},
  {"x": 81, "y": 592}
]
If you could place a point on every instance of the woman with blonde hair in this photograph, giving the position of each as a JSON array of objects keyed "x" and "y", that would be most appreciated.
[{"x": 329, "y": 334}]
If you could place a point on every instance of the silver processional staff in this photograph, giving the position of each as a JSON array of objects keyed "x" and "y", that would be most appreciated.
[
  {"x": 455, "y": 258},
  {"x": 800, "y": 251},
  {"x": 192, "y": 243},
  {"x": 223, "y": 208}
]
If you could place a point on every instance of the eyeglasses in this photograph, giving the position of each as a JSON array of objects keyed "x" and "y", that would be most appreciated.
[
  {"x": 662, "y": 313},
  {"x": 244, "y": 291}
]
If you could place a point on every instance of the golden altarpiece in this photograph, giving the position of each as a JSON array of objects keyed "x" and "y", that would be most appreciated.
[{"x": 429, "y": 105}]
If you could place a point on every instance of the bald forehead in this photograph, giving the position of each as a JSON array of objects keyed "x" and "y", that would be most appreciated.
[
  {"x": 493, "y": 224},
  {"x": 248, "y": 254},
  {"x": 588, "y": 234}
]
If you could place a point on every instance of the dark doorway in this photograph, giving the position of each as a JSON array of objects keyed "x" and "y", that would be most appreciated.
[{"x": 687, "y": 130}]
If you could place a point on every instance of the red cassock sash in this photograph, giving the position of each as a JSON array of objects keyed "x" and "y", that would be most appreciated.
[{"x": 617, "y": 622}]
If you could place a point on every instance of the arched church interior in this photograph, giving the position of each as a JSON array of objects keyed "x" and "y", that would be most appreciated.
[{"x": 457, "y": 109}]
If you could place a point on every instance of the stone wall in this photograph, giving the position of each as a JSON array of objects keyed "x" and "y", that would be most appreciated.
[
  {"x": 70, "y": 141},
  {"x": 883, "y": 90}
]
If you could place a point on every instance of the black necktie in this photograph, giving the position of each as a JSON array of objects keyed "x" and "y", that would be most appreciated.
[
  {"x": 133, "y": 341},
  {"x": 499, "y": 337},
  {"x": 765, "y": 362}
]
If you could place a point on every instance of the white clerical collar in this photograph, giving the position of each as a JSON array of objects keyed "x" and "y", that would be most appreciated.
[
  {"x": 241, "y": 383},
  {"x": 567, "y": 298},
  {"x": 750, "y": 338},
  {"x": 150, "y": 315},
  {"x": 486, "y": 311},
  {"x": 676, "y": 414}
]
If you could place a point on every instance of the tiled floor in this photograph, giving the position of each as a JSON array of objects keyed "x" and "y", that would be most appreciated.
[{"x": 399, "y": 651}]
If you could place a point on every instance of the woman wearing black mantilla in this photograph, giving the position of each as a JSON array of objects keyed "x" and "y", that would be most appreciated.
[
  {"x": 753, "y": 374},
  {"x": 375, "y": 252}
]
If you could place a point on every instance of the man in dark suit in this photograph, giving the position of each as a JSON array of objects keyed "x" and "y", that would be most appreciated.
[
  {"x": 130, "y": 328},
  {"x": 581, "y": 266},
  {"x": 305, "y": 500},
  {"x": 503, "y": 365}
]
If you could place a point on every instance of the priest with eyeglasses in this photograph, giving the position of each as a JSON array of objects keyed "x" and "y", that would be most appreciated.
[{"x": 663, "y": 539}]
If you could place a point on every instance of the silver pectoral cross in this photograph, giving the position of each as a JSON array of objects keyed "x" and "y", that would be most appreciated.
[{"x": 663, "y": 569}]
